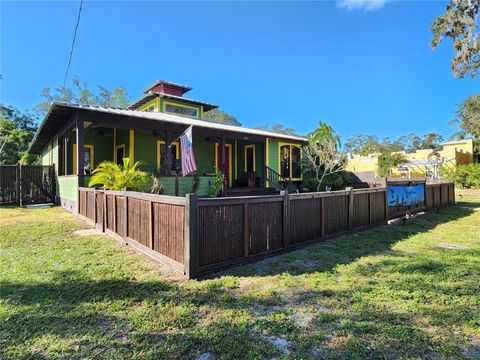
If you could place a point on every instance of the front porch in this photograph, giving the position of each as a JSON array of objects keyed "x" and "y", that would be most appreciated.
[
  {"x": 242, "y": 161},
  {"x": 254, "y": 161}
]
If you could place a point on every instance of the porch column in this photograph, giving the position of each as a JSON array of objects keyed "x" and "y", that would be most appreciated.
[
  {"x": 80, "y": 155},
  {"x": 168, "y": 154},
  {"x": 222, "y": 164},
  {"x": 263, "y": 182},
  {"x": 65, "y": 154}
]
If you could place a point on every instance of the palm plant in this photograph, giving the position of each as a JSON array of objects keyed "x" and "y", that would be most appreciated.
[{"x": 109, "y": 175}]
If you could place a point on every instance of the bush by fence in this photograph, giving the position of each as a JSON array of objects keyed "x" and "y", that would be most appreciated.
[
  {"x": 466, "y": 175},
  {"x": 197, "y": 236}
]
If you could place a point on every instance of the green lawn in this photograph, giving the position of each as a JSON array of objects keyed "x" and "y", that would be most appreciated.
[{"x": 397, "y": 291}]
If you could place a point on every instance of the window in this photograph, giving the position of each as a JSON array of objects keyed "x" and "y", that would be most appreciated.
[
  {"x": 150, "y": 108},
  {"x": 88, "y": 162},
  {"x": 88, "y": 159},
  {"x": 175, "y": 155},
  {"x": 249, "y": 158},
  {"x": 181, "y": 109},
  {"x": 290, "y": 156}
]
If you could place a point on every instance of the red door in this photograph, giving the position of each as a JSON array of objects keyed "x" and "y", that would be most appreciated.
[{"x": 227, "y": 162}]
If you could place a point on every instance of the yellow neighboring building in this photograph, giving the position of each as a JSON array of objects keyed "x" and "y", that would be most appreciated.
[{"x": 452, "y": 153}]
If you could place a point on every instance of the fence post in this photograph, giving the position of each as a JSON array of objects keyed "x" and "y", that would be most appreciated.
[
  {"x": 246, "y": 235},
  {"x": 20, "y": 191},
  {"x": 322, "y": 219},
  {"x": 386, "y": 202},
  {"x": 369, "y": 208},
  {"x": 95, "y": 206},
  {"x": 125, "y": 215},
  {"x": 150, "y": 224},
  {"x": 350, "y": 208},
  {"x": 17, "y": 184},
  {"x": 190, "y": 236},
  {"x": 104, "y": 222},
  {"x": 286, "y": 220}
]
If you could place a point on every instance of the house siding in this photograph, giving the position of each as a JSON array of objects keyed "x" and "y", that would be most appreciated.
[{"x": 146, "y": 150}]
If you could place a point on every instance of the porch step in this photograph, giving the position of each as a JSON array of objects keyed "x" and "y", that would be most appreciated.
[{"x": 251, "y": 192}]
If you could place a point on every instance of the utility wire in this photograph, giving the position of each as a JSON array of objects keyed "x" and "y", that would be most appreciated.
[{"x": 73, "y": 43}]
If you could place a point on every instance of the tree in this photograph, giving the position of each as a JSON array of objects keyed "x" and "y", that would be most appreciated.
[
  {"x": 468, "y": 119},
  {"x": 459, "y": 23},
  {"x": 388, "y": 159},
  {"x": 17, "y": 129},
  {"x": 110, "y": 175},
  {"x": 221, "y": 117},
  {"x": 278, "y": 128},
  {"x": 431, "y": 141},
  {"x": 362, "y": 144},
  {"x": 80, "y": 94},
  {"x": 322, "y": 154}
]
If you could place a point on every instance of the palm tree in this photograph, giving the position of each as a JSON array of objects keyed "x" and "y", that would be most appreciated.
[{"x": 109, "y": 175}]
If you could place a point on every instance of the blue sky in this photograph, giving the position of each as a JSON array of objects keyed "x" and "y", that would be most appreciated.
[{"x": 360, "y": 66}]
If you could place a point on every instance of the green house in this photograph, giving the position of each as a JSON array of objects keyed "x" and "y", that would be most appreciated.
[{"x": 77, "y": 138}]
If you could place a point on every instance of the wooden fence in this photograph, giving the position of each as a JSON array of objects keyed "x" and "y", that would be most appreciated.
[
  {"x": 198, "y": 236},
  {"x": 27, "y": 184}
]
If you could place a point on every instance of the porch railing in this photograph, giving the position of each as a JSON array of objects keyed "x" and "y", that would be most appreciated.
[{"x": 275, "y": 179}]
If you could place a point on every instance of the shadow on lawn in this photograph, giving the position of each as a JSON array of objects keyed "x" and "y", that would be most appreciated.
[
  {"x": 120, "y": 318},
  {"x": 327, "y": 255}
]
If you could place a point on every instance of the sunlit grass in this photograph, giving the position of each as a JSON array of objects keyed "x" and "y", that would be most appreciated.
[{"x": 391, "y": 292}]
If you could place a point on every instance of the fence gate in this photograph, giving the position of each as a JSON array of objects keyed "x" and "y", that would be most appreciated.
[{"x": 27, "y": 184}]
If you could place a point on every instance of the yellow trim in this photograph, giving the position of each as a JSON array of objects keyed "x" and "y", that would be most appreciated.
[
  {"x": 92, "y": 156},
  {"x": 114, "y": 145},
  {"x": 252, "y": 146},
  {"x": 131, "y": 147},
  {"x": 162, "y": 142},
  {"x": 267, "y": 184},
  {"x": 166, "y": 102},
  {"x": 280, "y": 144},
  {"x": 116, "y": 149},
  {"x": 229, "y": 161},
  {"x": 236, "y": 160},
  {"x": 149, "y": 104}
]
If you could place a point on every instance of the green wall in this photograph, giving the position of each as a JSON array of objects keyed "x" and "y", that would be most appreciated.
[
  {"x": 185, "y": 185},
  {"x": 146, "y": 149},
  {"x": 67, "y": 187},
  {"x": 273, "y": 154},
  {"x": 204, "y": 155},
  {"x": 122, "y": 137},
  {"x": 102, "y": 139}
]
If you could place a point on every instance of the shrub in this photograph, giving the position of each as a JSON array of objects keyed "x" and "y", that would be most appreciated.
[
  {"x": 216, "y": 184},
  {"x": 335, "y": 181},
  {"x": 111, "y": 176},
  {"x": 466, "y": 175}
]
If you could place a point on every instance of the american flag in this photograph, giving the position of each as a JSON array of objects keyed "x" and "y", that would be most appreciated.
[{"x": 186, "y": 147}]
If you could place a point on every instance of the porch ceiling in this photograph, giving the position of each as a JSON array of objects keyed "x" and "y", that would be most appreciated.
[{"x": 60, "y": 114}]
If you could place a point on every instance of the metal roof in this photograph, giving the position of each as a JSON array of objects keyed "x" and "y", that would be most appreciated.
[
  {"x": 60, "y": 113},
  {"x": 158, "y": 82},
  {"x": 152, "y": 95}
]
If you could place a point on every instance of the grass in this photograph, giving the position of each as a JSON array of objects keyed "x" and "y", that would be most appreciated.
[{"x": 390, "y": 292}]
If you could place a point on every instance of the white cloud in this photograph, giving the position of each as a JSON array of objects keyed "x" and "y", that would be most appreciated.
[{"x": 367, "y": 5}]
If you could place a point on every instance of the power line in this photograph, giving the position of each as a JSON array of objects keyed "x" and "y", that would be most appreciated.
[{"x": 73, "y": 43}]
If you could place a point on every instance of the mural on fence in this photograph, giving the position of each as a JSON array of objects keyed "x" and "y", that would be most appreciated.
[{"x": 406, "y": 195}]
